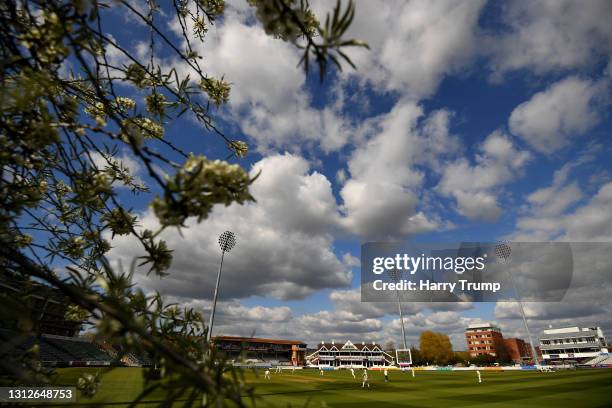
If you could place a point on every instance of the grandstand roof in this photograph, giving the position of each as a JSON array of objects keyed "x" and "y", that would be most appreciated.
[
  {"x": 350, "y": 346},
  {"x": 256, "y": 340},
  {"x": 583, "y": 333}
]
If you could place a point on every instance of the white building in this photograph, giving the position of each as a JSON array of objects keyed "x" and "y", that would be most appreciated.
[
  {"x": 350, "y": 355},
  {"x": 572, "y": 344}
]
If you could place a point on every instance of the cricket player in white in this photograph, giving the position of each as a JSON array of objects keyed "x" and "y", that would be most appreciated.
[
  {"x": 267, "y": 374},
  {"x": 479, "y": 378},
  {"x": 353, "y": 372},
  {"x": 365, "y": 379},
  {"x": 412, "y": 372},
  {"x": 320, "y": 371},
  {"x": 386, "y": 375}
]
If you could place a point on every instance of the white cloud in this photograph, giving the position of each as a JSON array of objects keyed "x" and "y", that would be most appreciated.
[
  {"x": 338, "y": 324},
  {"x": 554, "y": 212},
  {"x": 476, "y": 186},
  {"x": 414, "y": 45},
  {"x": 350, "y": 260},
  {"x": 546, "y": 36},
  {"x": 382, "y": 210},
  {"x": 593, "y": 221},
  {"x": 284, "y": 247},
  {"x": 546, "y": 310},
  {"x": 564, "y": 110},
  {"x": 381, "y": 197},
  {"x": 350, "y": 300},
  {"x": 268, "y": 96},
  {"x": 233, "y": 318},
  {"x": 552, "y": 201},
  {"x": 545, "y": 220}
]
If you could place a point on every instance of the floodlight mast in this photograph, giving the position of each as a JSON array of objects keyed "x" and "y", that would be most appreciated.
[
  {"x": 227, "y": 241},
  {"x": 396, "y": 276},
  {"x": 503, "y": 251}
]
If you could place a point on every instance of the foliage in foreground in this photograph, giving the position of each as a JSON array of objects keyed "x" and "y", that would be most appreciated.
[{"x": 68, "y": 111}]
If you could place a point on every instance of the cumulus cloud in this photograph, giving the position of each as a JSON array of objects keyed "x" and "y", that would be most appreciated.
[
  {"x": 338, "y": 323},
  {"x": 350, "y": 300},
  {"x": 547, "y": 311},
  {"x": 475, "y": 187},
  {"x": 233, "y": 318},
  {"x": 284, "y": 247},
  {"x": 414, "y": 45},
  {"x": 381, "y": 197},
  {"x": 269, "y": 99},
  {"x": 593, "y": 221},
  {"x": 545, "y": 206},
  {"x": 549, "y": 218},
  {"x": 545, "y": 36},
  {"x": 350, "y": 260},
  {"x": 552, "y": 117}
]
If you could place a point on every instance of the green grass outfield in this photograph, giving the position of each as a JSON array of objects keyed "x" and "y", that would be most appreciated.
[{"x": 516, "y": 389}]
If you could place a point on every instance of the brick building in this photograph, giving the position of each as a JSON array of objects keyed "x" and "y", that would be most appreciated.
[
  {"x": 518, "y": 351},
  {"x": 485, "y": 339}
]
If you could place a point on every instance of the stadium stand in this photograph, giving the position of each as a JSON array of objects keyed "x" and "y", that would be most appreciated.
[
  {"x": 56, "y": 335},
  {"x": 62, "y": 351},
  {"x": 600, "y": 360}
]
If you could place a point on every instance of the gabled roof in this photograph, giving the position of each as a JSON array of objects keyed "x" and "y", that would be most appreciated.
[{"x": 349, "y": 346}]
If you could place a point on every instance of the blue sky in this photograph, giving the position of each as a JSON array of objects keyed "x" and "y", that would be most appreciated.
[{"x": 474, "y": 121}]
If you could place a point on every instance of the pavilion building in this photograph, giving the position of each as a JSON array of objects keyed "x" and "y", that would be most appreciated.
[{"x": 350, "y": 355}]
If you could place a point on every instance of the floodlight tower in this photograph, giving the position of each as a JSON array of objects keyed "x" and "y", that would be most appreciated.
[
  {"x": 503, "y": 251},
  {"x": 227, "y": 241},
  {"x": 396, "y": 276}
]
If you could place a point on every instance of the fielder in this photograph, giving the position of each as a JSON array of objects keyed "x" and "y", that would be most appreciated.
[
  {"x": 386, "y": 375},
  {"x": 320, "y": 371},
  {"x": 479, "y": 377},
  {"x": 353, "y": 372},
  {"x": 267, "y": 374},
  {"x": 365, "y": 379}
]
